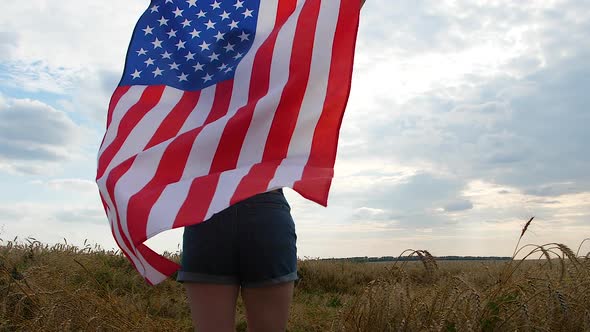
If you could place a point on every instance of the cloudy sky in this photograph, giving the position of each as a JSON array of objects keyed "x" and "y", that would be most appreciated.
[{"x": 466, "y": 118}]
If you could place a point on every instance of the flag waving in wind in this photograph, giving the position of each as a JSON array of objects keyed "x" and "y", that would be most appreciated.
[{"x": 221, "y": 100}]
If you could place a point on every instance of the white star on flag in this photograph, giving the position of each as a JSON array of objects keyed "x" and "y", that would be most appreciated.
[
  {"x": 171, "y": 33},
  {"x": 207, "y": 78},
  {"x": 195, "y": 33},
  {"x": 136, "y": 74},
  {"x": 148, "y": 30},
  {"x": 233, "y": 25},
  {"x": 244, "y": 36},
  {"x": 178, "y": 12},
  {"x": 163, "y": 21},
  {"x": 204, "y": 46},
  {"x": 224, "y": 16},
  {"x": 229, "y": 47},
  {"x": 157, "y": 72},
  {"x": 219, "y": 36},
  {"x": 182, "y": 77},
  {"x": 198, "y": 67},
  {"x": 157, "y": 43},
  {"x": 180, "y": 45},
  {"x": 210, "y": 25},
  {"x": 248, "y": 13},
  {"x": 190, "y": 56},
  {"x": 214, "y": 56}
]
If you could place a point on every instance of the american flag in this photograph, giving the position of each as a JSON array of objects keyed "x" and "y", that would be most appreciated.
[{"x": 221, "y": 100}]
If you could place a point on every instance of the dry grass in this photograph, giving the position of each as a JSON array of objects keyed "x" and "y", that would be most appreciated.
[
  {"x": 65, "y": 288},
  {"x": 549, "y": 293}
]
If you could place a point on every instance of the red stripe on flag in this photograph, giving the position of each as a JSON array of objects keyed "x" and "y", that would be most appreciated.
[
  {"x": 160, "y": 263},
  {"x": 170, "y": 170},
  {"x": 195, "y": 206},
  {"x": 284, "y": 10},
  {"x": 223, "y": 92},
  {"x": 119, "y": 92},
  {"x": 104, "y": 203},
  {"x": 175, "y": 119},
  {"x": 256, "y": 181},
  {"x": 285, "y": 119},
  {"x": 149, "y": 99},
  {"x": 318, "y": 172},
  {"x": 234, "y": 133}
]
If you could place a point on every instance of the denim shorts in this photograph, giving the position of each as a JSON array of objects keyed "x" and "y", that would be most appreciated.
[{"x": 252, "y": 244}]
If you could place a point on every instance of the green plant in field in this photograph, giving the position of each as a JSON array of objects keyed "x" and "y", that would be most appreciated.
[{"x": 335, "y": 302}]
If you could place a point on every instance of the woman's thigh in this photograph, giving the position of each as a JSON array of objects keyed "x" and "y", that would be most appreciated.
[
  {"x": 267, "y": 308},
  {"x": 213, "y": 306}
]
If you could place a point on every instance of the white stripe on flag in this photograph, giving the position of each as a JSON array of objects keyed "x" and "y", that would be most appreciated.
[
  {"x": 267, "y": 15},
  {"x": 291, "y": 169}
]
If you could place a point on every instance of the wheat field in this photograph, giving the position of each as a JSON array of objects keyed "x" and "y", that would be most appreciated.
[{"x": 67, "y": 288}]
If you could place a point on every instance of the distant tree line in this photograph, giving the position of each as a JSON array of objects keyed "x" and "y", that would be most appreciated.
[{"x": 416, "y": 258}]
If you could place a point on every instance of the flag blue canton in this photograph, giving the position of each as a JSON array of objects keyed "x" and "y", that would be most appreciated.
[{"x": 190, "y": 44}]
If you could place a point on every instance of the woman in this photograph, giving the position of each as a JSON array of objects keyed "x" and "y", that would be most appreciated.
[{"x": 248, "y": 248}]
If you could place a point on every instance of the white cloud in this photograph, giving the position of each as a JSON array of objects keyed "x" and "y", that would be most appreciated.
[
  {"x": 67, "y": 48},
  {"x": 458, "y": 205},
  {"x": 76, "y": 185},
  {"x": 366, "y": 213},
  {"x": 51, "y": 223},
  {"x": 34, "y": 135},
  {"x": 8, "y": 41},
  {"x": 39, "y": 76},
  {"x": 70, "y": 34}
]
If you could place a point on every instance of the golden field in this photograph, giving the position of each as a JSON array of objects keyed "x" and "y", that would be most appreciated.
[{"x": 66, "y": 288}]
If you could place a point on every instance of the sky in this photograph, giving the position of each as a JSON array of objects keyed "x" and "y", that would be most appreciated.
[{"x": 466, "y": 118}]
